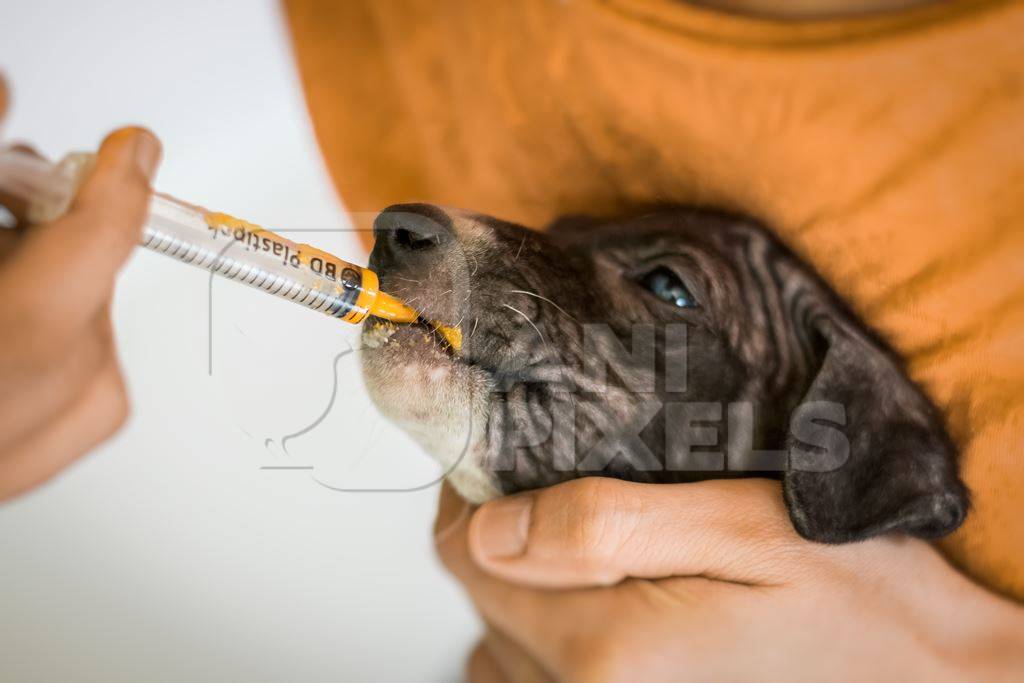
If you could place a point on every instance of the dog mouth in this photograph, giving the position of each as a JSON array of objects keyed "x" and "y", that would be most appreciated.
[{"x": 423, "y": 335}]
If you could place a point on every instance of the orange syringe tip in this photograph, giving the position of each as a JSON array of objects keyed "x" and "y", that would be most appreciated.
[
  {"x": 452, "y": 334},
  {"x": 388, "y": 307}
]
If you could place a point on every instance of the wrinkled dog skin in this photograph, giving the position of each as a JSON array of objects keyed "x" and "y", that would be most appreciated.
[{"x": 669, "y": 347}]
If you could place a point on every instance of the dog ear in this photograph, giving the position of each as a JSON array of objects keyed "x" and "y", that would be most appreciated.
[{"x": 868, "y": 452}]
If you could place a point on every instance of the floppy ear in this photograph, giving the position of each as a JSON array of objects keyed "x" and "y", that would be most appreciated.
[{"x": 868, "y": 452}]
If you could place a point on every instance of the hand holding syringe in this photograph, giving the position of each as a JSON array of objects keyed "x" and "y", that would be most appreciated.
[
  {"x": 61, "y": 389},
  {"x": 224, "y": 245}
]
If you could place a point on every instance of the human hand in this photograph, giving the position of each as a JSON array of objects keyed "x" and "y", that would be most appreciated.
[
  {"x": 605, "y": 580},
  {"x": 61, "y": 390}
]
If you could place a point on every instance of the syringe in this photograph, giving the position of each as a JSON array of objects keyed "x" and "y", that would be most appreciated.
[{"x": 224, "y": 245}]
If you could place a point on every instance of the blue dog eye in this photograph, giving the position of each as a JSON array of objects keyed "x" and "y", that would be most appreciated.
[{"x": 667, "y": 286}]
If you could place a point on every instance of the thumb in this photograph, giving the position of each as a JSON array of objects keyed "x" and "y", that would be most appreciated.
[
  {"x": 67, "y": 267},
  {"x": 599, "y": 531}
]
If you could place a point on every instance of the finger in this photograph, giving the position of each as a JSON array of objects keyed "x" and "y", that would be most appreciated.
[
  {"x": 97, "y": 414},
  {"x": 481, "y": 667},
  {"x": 13, "y": 214},
  {"x": 8, "y": 238},
  {"x": 453, "y": 513},
  {"x": 88, "y": 245},
  {"x": 18, "y": 205},
  {"x": 38, "y": 390},
  {"x": 4, "y": 98},
  {"x": 598, "y": 531},
  {"x": 512, "y": 660},
  {"x": 548, "y": 625}
]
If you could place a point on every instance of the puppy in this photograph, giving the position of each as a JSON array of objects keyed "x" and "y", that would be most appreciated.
[{"x": 674, "y": 346}]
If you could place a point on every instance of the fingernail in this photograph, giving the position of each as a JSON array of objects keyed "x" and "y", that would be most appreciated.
[
  {"x": 147, "y": 152},
  {"x": 502, "y": 527}
]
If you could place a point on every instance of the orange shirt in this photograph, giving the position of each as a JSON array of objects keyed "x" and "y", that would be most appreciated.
[{"x": 887, "y": 150}]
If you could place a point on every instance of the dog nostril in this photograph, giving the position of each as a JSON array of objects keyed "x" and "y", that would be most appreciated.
[
  {"x": 408, "y": 229},
  {"x": 414, "y": 241}
]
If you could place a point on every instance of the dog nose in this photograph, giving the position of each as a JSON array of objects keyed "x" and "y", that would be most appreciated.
[
  {"x": 406, "y": 230},
  {"x": 416, "y": 257}
]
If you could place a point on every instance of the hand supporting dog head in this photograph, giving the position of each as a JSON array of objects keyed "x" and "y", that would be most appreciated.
[{"x": 674, "y": 346}]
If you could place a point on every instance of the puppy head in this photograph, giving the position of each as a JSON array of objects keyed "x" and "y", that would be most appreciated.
[{"x": 670, "y": 347}]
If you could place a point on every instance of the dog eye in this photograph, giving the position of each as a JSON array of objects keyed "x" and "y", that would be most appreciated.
[{"x": 667, "y": 286}]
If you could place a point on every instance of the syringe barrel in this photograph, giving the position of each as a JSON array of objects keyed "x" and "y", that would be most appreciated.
[
  {"x": 247, "y": 253},
  {"x": 221, "y": 244}
]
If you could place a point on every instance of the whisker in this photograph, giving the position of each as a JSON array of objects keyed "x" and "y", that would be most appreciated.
[
  {"x": 561, "y": 367},
  {"x": 544, "y": 298},
  {"x": 520, "y": 250},
  {"x": 532, "y": 324}
]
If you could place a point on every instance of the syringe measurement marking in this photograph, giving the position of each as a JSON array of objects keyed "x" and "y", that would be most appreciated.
[{"x": 330, "y": 303}]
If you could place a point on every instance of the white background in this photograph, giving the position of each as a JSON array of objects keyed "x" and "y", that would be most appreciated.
[{"x": 168, "y": 554}]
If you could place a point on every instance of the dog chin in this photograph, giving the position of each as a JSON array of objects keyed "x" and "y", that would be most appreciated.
[{"x": 439, "y": 401}]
